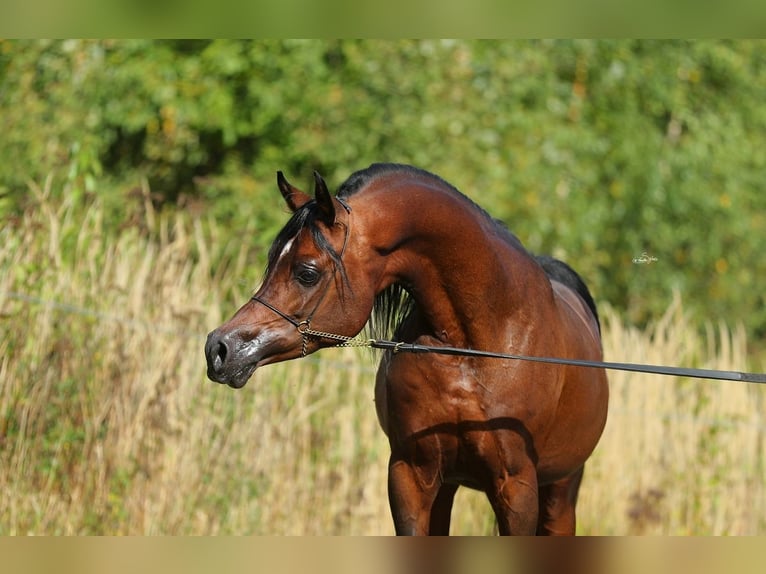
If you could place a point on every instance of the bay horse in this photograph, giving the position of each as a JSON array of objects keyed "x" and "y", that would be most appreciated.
[{"x": 402, "y": 248}]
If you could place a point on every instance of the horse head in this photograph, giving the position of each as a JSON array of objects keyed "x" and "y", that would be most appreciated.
[{"x": 312, "y": 282}]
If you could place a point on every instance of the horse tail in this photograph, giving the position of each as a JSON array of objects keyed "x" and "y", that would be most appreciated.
[{"x": 563, "y": 273}]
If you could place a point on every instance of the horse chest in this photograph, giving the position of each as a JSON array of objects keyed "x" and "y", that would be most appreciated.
[{"x": 430, "y": 395}]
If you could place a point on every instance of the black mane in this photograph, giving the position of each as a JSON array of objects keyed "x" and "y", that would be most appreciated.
[
  {"x": 393, "y": 305},
  {"x": 359, "y": 179}
]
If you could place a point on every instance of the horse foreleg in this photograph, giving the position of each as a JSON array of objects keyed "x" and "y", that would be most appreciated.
[
  {"x": 411, "y": 499},
  {"x": 557, "y": 506},
  {"x": 441, "y": 511},
  {"x": 514, "y": 500}
]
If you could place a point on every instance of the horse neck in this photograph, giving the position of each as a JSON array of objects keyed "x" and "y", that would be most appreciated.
[{"x": 466, "y": 275}]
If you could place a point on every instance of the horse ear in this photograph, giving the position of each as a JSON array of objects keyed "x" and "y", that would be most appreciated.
[
  {"x": 324, "y": 199},
  {"x": 294, "y": 197}
]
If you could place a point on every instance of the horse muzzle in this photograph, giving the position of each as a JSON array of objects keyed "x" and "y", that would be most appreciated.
[{"x": 230, "y": 359}]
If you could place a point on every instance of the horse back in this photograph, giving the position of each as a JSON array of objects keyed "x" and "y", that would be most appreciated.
[{"x": 557, "y": 270}]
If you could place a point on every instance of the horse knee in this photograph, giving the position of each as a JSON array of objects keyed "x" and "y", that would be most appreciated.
[
  {"x": 410, "y": 499},
  {"x": 515, "y": 502}
]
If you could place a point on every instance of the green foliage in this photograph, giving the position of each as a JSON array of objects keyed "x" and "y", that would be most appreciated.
[{"x": 595, "y": 151}]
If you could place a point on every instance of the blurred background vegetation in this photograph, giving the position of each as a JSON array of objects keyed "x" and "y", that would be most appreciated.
[
  {"x": 595, "y": 151},
  {"x": 138, "y": 198}
]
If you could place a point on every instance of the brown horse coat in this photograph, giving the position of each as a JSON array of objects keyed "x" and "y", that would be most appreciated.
[{"x": 519, "y": 431}]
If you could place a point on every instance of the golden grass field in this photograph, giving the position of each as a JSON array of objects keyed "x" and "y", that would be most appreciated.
[{"x": 108, "y": 424}]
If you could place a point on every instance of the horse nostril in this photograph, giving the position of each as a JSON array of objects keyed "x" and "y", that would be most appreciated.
[
  {"x": 220, "y": 355},
  {"x": 216, "y": 352}
]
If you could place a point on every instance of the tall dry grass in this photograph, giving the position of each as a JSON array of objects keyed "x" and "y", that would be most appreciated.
[
  {"x": 678, "y": 456},
  {"x": 109, "y": 426}
]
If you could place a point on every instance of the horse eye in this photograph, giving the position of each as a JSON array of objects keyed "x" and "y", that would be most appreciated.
[{"x": 307, "y": 276}]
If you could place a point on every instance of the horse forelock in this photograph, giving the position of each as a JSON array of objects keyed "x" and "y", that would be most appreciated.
[{"x": 305, "y": 217}]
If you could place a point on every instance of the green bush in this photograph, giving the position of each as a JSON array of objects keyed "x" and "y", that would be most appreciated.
[{"x": 596, "y": 151}]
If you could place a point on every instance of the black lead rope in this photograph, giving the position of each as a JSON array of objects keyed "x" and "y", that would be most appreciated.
[
  {"x": 651, "y": 369},
  {"x": 304, "y": 328},
  {"x": 343, "y": 341}
]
